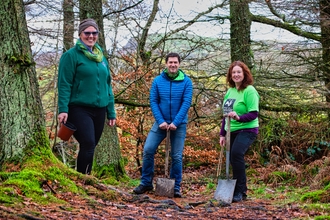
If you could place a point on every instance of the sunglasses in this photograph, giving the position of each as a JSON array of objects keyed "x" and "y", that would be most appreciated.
[{"x": 88, "y": 33}]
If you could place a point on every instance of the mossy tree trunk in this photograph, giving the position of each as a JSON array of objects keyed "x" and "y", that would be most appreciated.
[
  {"x": 240, "y": 24},
  {"x": 107, "y": 158},
  {"x": 22, "y": 123}
]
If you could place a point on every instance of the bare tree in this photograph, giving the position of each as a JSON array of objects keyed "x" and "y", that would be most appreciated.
[{"x": 302, "y": 65}]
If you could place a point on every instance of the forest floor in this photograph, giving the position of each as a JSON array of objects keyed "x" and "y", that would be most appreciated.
[{"x": 197, "y": 203}]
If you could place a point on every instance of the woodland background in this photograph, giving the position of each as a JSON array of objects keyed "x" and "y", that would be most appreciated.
[{"x": 285, "y": 43}]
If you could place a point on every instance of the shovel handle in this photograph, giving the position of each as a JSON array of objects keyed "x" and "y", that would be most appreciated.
[
  {"x": 220, "y": 162},
  {"x": 167, "y": 151},
  {"x": 227, "y": 145}
]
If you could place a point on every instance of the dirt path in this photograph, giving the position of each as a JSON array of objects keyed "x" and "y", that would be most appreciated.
[{"x": 150, "y": 207}]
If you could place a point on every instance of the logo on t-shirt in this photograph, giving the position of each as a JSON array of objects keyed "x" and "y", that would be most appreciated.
[{"x": 228, "y": 106}]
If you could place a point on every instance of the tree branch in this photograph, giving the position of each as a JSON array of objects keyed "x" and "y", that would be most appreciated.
[
  {"x": 286, "y": 26},
  {"x": 122, "y": 10}
]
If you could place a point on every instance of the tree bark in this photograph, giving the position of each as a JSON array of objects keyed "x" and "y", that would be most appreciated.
[
  {"x": 93, "y": 9},
  {"x": 68, "y": 24},
  {"x": 107, "y": 159},
  {"x": 325, "y": 41},
  {"x": 22, "y": 124},
  {"x": 240, "y": 24}
]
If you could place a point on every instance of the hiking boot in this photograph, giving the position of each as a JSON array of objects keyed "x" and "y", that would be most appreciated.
[
  {"x": 142, "y": 189},
  {"x": 177, "y": 194},
  {"x": 237, "y": 197}
]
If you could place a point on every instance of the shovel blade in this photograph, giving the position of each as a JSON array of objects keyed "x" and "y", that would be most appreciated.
[
  {"x": 165, "y": 187},
  {"x": 225, "y": 190}
]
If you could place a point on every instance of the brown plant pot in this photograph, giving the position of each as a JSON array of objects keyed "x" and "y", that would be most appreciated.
[{"x": 66, "y": 131}]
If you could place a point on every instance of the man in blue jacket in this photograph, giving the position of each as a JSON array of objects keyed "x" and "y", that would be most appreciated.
[{"x": 170, "y": 100}]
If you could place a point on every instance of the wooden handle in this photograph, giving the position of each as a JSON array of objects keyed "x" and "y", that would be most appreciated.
[
  {"x": 228, "y": 133},
  {"x": 167, "y": 151},
  {"x": 227, "y": 146}
]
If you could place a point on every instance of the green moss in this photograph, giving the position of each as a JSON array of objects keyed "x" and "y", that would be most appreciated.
[
  {"x": 262, "y": 192},
  {"x": 60, "y": 176},
  {"x": 8, "y": 194},
  {"x": 326, "y": 182},
  {"x": 40, "y": 173},
  {"x": 133, "y": 183},
  {"x": 5, "y": 199},
  {"x": 108, "y": 195},
  {"x": 317, "y": 207},
  {"x": 42, "y": 177},
  {"x": 27, "y": 179},
  {"x": 327, "y": 187},
  {"x": 281, "y": 177},
  {"x": 27, "y": 183},
  {"x": 111, "y": 174},
  {"x": 251, "y": 172},
  {"x": 210, "y": 187},
  {"x": 196, "y": 164},
  {"x": 322, "y": 217},
  {"x": 20, "y": 61},
  {"x": 312, "y": 196}
]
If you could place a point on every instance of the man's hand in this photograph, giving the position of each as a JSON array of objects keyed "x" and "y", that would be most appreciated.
[
  {"x": 163, "y": 126},
  {"x": 111, "y": 122},
  {"x": 172, "y": 127}
]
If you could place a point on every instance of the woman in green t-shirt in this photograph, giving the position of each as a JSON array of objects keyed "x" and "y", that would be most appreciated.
[{"x": 241, "y": 103}]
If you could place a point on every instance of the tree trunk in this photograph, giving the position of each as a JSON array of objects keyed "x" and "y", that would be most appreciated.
[
  {"x": 107, "y": 159},
  {"x": 93, "y": 9},
  {"x": 68, "y": 24},
  {"x": 22, "y": 124},
  {"x": 107, "y": 154},
  {"x": 240, "y": 24},
  {"x": 325, "y": 41}
]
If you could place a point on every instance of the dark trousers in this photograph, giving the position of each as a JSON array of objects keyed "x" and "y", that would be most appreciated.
[
  {"x": 239, "y": 144},
  {"x": 89, "y": 123}
]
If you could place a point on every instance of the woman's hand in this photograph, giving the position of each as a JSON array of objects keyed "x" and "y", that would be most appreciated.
[
  {"x": 111, "y": 122},
  {"x": 233, "y": 115},
  {"x": 62, "y": 117},
  {"x": 222, "y": 141}
]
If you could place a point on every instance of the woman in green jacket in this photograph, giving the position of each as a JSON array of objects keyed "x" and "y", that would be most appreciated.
[{"x": 85, "y": 94}]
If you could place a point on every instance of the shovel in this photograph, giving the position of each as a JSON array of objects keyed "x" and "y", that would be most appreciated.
[
  {"x": 225, "y": 189},
  {"x": 165, "y": 186}
]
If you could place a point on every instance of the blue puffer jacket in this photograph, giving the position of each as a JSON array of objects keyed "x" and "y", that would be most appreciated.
[{"x": 170, "y": 100}]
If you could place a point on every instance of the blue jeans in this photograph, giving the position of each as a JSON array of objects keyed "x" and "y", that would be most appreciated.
[
  {"x": 155, "y": 137},
  {"x": 239, "y": 144}
]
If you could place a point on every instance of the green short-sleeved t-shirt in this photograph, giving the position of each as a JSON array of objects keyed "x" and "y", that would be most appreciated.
[{"x": 244, "y": 101}]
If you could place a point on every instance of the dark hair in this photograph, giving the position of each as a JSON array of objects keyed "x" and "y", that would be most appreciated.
[
  {"x": 248, "y": 78},
  {"x": 172, "y": 55}
]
